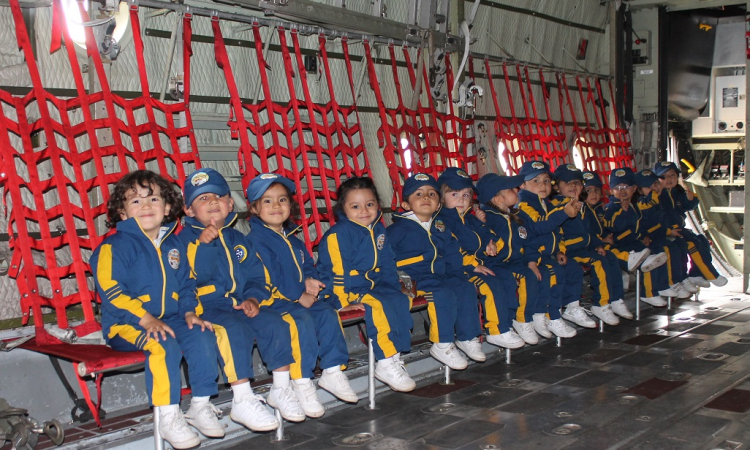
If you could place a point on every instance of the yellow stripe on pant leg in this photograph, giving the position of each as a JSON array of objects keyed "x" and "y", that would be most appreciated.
[
  {"x": 695, "y": 255},
  {"x": 381, "y": 323},
  {"x": 490, "y": 309},
  {"x": 157, "y": 363},
  {"x": 648, "y": 285},
  {"x": 669, "y": 265},
  {"x": 603, "y": 288},
  {"x": 295, "y": 369},
  {"x": 432, "y": 314},
  {"x": 225, "y": 349},
  {"x": 522, "y": 298}
]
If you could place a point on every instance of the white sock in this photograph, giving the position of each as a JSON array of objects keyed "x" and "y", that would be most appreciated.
[
  {"x": 386, "y": 361},
  {"x": 167, "y": 409},
  {"x": 280, "y": 379},
  {"x": 301, "y": 381},
  {"x": 443, "y": 345},
  {"x": 197, "y": 401},
  {"x": 333, "y": 369},
  {"x": 242, "y": 390},
  {"x": 396, "y": 357},
  {"x": 575, "y": 304}
]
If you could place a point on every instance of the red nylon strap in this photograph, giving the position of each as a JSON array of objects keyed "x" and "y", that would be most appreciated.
[{"x": 187, "y": 53}]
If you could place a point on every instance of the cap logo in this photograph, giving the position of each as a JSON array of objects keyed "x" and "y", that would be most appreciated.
[
  {"x": 537, "y": 165},
  {"x": 647, "y": 173},
  {"x": 666, "y": 163},
  {"x": 572, "y": 167},
  {"x": 462, "y": 174},
  {"x": 620, "y": 173},
  {"x": 199, "y": 179},
  {"x": 588, "y": 176},
  {"x": 268, "y": 176},
  {"x": 421, "y": 177}
]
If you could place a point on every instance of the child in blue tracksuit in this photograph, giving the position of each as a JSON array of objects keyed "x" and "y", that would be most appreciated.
[
  {"x": 431, "y": 256},
  {"x": 295, "y": 290},
  {"x": 586, "y": 248},
  {"x": 622, "y": 218},
  {"x": 661, "y": 236},
  {"x": 148, "y": 299},
  {"x": 357, "y": 266},
  {"x": 231, "y": 281},
  {"x": 497, "y": 196},
  {"x": 542, "y": 222},
  {"x": 497, "y": 287},
  {"x": 677, "y": 201}
]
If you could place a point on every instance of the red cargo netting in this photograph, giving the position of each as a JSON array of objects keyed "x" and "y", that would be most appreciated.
[
  {"x": 421, "y": 140},
  {"x": 317, "y": 146},
  {"x": 57, "y": 169}
]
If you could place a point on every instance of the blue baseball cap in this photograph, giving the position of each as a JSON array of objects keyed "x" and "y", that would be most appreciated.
[
  {"x": 456, "y": 179},
  {"x": 568, "y": 173},
  {"x": 662, "y": 167},
  {"x": 645, "y": 178},
  {"x": 489, "y": 185},
  {"x": 415, "y": 182},
  {"x": 203, "y": 181},
  {"x": 532, "y": 169},
  {"x": 260, "y": 184},
  {"x": 622, "y": 175},
  {"x": 591, "y": 179}
]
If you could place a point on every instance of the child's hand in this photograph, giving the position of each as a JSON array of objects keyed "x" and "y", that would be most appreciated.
[
  {"x": 313, "y": 286},
  {"x": 676, "y": 232},
  {"x": 192, "y": 319},
  {"x": 307, "y": 300},
  {"x": 209, "y": 233},
  {"x": 354, "y": 307},
  {"x": 561, "y": 258},
  {"x": 572, "y": 208},
  {"x": 609, "y": 240},
  {"x": 155, "y": 328},
  {"x": 491, "y": 249},
  {"x": 601, "y": 251},
  {"x": 484, "y": 270},
  {"x": 646, "y": 241},
  {"x": 535, "y": 269},
  {"x": 250, "y": 307},
  {"x": 481, "y": 215}
]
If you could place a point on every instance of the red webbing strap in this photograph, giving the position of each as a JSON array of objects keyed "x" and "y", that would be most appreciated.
[
  {"x": 620, "y": 137},
  {"x": 500, "y": 133},
  {"x": 187, "y": 53},
  {"x": 356, "y": 130},
  {"x": 93, "y": 407},
  {"x": 458, "y": 132}
]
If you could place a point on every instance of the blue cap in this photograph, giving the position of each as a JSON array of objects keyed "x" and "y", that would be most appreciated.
[
  {"x": 415, "y": 182},
  {"x": 622, "y": 175},
  {"x": 456, "y": 179},
  {"x": 532, "y": 169},
  {"x": 591, "y": 179},
  {"x": 489, "y": 185},
  {"x": 568, "y": 173},
  {"x": 204, "y": 181},
  {"x": 645, "y": 178},
  {"x": 662, "y": 167},
  {"x": 260, "y": 184}
]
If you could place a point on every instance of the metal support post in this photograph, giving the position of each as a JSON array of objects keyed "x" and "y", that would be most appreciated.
[
  {"x": 638, "y": 294},
  {"x": 279, "y": 435},
  {"x": 669, "y": 303},
  {"x": 507, "y": 356},
  {"x": 158, "y": 441},
  {"x": 558, "y": 341},
  {"x": 371, "y": 375},
  {"x": 601, "y": 326},
  {"x": 447, "y": 380}
]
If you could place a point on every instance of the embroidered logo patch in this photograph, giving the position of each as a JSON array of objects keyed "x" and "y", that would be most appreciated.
[
  {"x": 537, "y": 165},
  {"x": 240, "y": 252},
  {"x": 461, "y": 173},
  {"x": 440, "y": 225},
  {"x": 380, "y": 241},
  {"x": 620, "y": 173},
  {"x": 648, "y": 173},
  {"x": 268, "y": 176},
  {"x": 301, "y": 256},
  {"x": 522, "y": 232},
  {"x": 199, "y": 179},
  {"x": 174, "y": 258},
  {"x": 588, "y": 176},
  {"x": 666, "y": 163},
  {"x": 421, "y": 177},
  {"x": 572, "y": 167}
]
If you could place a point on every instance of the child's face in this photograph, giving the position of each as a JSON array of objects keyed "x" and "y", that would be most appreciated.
[
  {"x": 657, "y": 187},
  {"x": 570, "y": 189},
  {"x": 540, "y": 185},
  {"x": 274, "y": 207},
  {"x": 623, "y": 192},
  {"x": 361, "y": 206},
  {"x": 644, "y": 190},
  {"x": 458, "y": 199},
  {"x": 593, "y": 195},
  {"x": 505, "y": 199},
  {"x": 211, "y": 208},
  {"x": 423, "y": 202},
  {"x": 149, "y": 210},
  {"x": 670, "y": 179}
]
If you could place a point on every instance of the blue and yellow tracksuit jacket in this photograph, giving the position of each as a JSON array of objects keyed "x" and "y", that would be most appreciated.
[
  {"x": 654, "y": 221},
  {"x": 472, "y": 234},
  {"x": 134, "y": 276},
  {"x": 592, "y": 218},
  {"x": 357, "y": 265},
  {"x": 575, "y": 232},
  {"x": 542, "y": 221},
  {"x": 675, "y": 204}
]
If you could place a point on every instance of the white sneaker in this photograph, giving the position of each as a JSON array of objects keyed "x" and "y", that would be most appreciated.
[
  {"x": 391, "y": 372},
  {"x": 621, "y": 309},
  {"x": 720, "y": 281},
  {"x": 473, "y": 349},
  {"x": 175, "y": 430},
  {"x": 308, "y": 398},
  {"x": 540, "y": 322},
  {"x": 653, "y": 261},
  {"x": 654, "y": 301},
  {"x": 204, "y": 418},
  {"x": 561, "y": 329},
  {"x": 700, "y": 282},
  {"x": 606, "y": 314},
  {"x": 449, "y": 356},
  {"x": 635, "y": 259},
  {"x": 250, "y": 412},
  {"x": 287, "y": 403},
  {"x": 337, "y": 384},
  {"x": 578, "y": 316},
  {"x": 681, "y": 291},
  {"x": 689, "y": 286},
  {"x": 669, "y": 292},
  {"x": 526, "y": 331},
  {"x": 509, "y": 339}
]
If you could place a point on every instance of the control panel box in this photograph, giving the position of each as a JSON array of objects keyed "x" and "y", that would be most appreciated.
[{"x": 729, "y": 104}]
